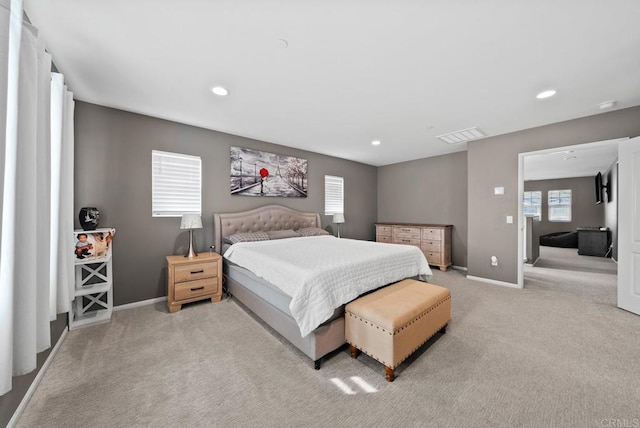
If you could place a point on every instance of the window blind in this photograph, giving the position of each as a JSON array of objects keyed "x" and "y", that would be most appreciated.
[
  {"x": 176, "y": 184},
  {"x": 559, "y": 205},
  {"x": 333, "y": 194}
]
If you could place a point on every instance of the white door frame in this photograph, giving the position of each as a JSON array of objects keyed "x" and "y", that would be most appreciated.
[{"x": 521, "y": 157}]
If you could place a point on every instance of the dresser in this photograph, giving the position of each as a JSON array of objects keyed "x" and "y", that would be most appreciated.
[
  {"x": 192, "y": 279},
  {"x": 433, "y": 239}
]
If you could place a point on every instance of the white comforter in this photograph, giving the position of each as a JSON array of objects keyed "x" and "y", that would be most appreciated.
[{"x": 323, "y": 272}]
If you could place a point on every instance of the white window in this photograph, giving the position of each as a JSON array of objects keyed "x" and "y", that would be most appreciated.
[
  {"x": 333, "y": 195},
  {"x": 559, "y": 205},
  {"x": 532, "y": 205},
  {"x": 176, "y": 184}
]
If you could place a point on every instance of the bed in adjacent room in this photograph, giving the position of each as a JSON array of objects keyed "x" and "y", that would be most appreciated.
[{"x": 294, "y": 276}]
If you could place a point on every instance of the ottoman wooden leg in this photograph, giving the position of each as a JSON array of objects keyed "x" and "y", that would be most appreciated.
[
  {"x": 389, "y": 373},
  {"x": 354, "y": 351},
  {"x": 443, "y": 330}
]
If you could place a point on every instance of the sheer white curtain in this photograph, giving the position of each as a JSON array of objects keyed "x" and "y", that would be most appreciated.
[{"x": 27, "y": 252}]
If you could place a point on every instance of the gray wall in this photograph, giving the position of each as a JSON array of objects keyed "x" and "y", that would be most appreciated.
[
  {"x": 584, "y": 210},
  {"x": 113, "y": 173},
  {"x": 493, "y": 162},
  {"x": 430, "y": 190},
  {"x": 20, "y": 384},
  {"x": 611, "y": 206}
]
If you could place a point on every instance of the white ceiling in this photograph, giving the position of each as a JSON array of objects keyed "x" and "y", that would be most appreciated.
[
  {"x": 576, "y": 161},
  {"x": 402, "y": 72}
]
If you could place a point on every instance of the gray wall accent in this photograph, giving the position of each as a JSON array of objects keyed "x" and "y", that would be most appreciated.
[
  {"x": 584, "y": 210},
  {"x": 10, "y": 401},
  {"x": 113, "y": 173},
  {"x": 493, "y": 162},
  {"x": 611, "y": 206},
  {"x": 430, "y": 190}
]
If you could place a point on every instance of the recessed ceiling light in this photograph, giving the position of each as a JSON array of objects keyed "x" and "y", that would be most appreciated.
[
  {"x": 607, "y": 104},
  {"x": 219, "y": 90},
  {"x": 375, "y": 143},
  {"x": 546, "y": 94}
]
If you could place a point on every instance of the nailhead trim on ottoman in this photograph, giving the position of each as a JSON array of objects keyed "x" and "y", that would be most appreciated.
[{"x": 392, "y": 323}]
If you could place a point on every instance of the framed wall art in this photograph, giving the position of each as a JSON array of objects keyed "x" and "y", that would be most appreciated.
[{"x": 256, "y": 173}]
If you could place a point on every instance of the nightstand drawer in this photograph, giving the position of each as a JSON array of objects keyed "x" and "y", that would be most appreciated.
[
  {"x": 188, "y": 290},
  {"x": 196, "y": 271},
  {"x": 432, "y": 234}
]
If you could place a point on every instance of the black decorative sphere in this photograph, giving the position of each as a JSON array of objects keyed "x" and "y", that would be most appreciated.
[{"x": 89, "y": 218}]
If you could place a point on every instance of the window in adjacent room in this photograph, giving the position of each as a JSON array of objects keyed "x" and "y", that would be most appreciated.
[
  {"x": 333, "y": 195},
  {"x": 532, "y": 205},
  {"x": 559, "y": 205},
  {"x": 176, "y": 184}
]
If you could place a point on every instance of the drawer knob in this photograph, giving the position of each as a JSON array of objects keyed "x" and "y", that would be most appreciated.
[
  {"x": 197, "y": 288},
  {"x": 197, "y": 271}
]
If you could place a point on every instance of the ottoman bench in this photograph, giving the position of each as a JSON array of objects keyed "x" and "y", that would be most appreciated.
[{"x": 391, "y": 323}]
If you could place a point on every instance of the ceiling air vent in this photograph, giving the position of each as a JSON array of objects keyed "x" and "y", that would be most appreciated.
[{"x": 462, "y": 136}]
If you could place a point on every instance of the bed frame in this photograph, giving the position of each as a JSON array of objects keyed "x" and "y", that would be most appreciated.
[{"x": 323, "y": 340}]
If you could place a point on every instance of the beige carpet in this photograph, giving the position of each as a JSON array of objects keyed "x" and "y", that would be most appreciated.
[{"x": 543, "y": 356}]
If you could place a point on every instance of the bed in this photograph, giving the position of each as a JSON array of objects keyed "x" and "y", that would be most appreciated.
[{"x": 279, "y": 309}]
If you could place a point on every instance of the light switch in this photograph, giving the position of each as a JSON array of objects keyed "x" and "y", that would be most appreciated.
[
  {"x": 498, "y": 191},
  {"x": 509, "y": 219}
]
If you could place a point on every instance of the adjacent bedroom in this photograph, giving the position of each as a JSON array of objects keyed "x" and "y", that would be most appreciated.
[{"x": 570, "y": 204}]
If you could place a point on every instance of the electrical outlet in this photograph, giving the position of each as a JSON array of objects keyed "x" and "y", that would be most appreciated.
[{"x": 494, "y": 261}]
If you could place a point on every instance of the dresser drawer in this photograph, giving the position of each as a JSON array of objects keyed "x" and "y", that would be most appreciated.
[
  {"x": 433, "y": 257},
  {"x": 384, "y": 238},
  {"x": 196, "y": 271},
  {"x": 406, "y": 241},
  {"x": 188, "y": 290},
  {"x": 383, "y": 230},
  {"x": 400, "y": 232},
  {"x": 432, "y": 234},
  {"x": 431, "y": 246}
]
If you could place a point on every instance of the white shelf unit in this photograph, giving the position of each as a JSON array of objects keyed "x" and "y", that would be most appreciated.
[{"x": 93, "y": 289}]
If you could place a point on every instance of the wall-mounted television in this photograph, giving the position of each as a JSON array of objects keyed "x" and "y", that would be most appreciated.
[{"x": 600, "y": 189}]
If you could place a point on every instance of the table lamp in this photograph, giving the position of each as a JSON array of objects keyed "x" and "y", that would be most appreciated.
[
  {"x": 338, "y": 218},
  {"x": 191, "y": 221}
]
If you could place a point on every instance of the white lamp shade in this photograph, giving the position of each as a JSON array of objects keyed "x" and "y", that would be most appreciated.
[
  {"x": 338, "y": 218},
  {"x": 191, "y": 221}
]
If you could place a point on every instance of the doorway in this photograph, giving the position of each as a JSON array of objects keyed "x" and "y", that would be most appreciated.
[{"x": 583, "y": 160}]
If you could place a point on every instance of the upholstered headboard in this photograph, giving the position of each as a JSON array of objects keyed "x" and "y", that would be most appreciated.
[{"x": 269, "y": 217}]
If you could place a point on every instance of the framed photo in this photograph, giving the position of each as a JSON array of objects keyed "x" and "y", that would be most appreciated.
[
  {"x": 256, "y": 173},
  {"x": 92, "y": 246}
]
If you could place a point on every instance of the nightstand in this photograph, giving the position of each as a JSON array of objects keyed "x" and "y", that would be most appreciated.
[{"x": 190, "y": 280}]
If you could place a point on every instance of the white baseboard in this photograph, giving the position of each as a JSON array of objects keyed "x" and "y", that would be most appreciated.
[
  {"x": 462, "y": 268},
  {"x": 34, "y": 385},
  {"x": 140, "y": 303},
  {"x": 493, "y": 281}
]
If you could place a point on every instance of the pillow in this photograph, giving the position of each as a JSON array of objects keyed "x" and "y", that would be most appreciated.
[
  {"x": 312, "y": 231},
  {"x": 279, "y": 234},
  {"x": 246, "y": 237}
]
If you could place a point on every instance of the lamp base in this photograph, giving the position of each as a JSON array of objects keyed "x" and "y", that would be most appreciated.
[
  {"x": 191, "y": 252},
  {"x": 338, "y": 230}
]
